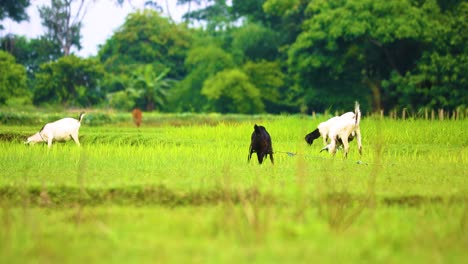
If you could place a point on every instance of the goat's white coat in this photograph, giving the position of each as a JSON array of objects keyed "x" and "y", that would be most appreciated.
[
  {"x": 60, "y": 130},
  {"x": 325, "y": 127},
  {"x": 343, "y": 128}
]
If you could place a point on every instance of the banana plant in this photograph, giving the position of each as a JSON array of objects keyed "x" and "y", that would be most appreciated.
[{"x": 153, "y": 86}]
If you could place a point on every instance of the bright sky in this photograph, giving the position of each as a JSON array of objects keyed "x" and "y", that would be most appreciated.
[{"x": 102, "y": 19}]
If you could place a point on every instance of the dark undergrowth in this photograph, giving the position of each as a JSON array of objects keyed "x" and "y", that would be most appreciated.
[
  {"x": 13, "y": 137},
  {"x": 65, "y": 196},
  {"x": 104, "y": 139}
]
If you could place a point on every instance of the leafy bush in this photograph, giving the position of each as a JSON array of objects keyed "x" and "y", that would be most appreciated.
[
  {"x": 12, "y": 78},
  {"x": 232, "y": 92}
]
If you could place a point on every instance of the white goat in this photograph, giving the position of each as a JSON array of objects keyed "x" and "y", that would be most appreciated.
[
  {"x": 323, "y": 128},
  {"x": 344, "y": 130},
  {"x": 60, "y": 130}
]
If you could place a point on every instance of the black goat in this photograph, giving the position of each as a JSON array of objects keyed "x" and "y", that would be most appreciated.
[{"x": 261, "y": 144}]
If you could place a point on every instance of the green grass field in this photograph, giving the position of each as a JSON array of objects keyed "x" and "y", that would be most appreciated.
[{"x": 183, "y": 192}]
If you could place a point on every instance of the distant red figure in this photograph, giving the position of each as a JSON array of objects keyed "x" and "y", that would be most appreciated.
[{"x": 137, "y": 116}]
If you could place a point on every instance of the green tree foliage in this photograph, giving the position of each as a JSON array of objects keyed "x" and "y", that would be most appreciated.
[
  {"x": 261, "y": 55},
  {"x": 210, "y": 58},
  {"x": 123, "y": 99},
  {"x": 12, "y": 78},
  {"x": 363, "y": 42},
  {"x": 31, "y": 52},
  {"x": 217, "y": 16},
  {"x": 147, "y": 38},
  {"x": 70, "y": 81},
  {"x": 439, "y": 79},
  {"x": 255, "y": 42},
  {"x": 14, "y": 9},
  {"x": 251, "y": 43},
  {"x": 268, "y": 78},
  {"x": 286, "y": 18},
  {"x": 232, "y": 92},
  {"x": 202, "y": 63},
  {"x": 250, "y": 9}
]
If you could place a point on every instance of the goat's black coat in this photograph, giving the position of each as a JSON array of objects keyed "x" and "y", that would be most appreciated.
[
  {"x": 309, "y": 138},
  {"x": 261, "y": 144}
]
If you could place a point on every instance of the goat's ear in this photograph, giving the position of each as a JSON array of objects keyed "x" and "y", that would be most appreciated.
[{"x": 256, "y": 128}]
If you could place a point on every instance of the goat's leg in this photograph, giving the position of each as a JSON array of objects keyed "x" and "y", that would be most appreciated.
[
  {"x": 325, "y": 148},
  {"x": 75, "y": 138},
  {"x": 345, "y": 146},
  {"x": 250, "y": 154},
  {"x": 332, "y": 147},
  {"x": 49, "y": 142},
  {"x": 358, "y": 136},
  {"x": 271, "y": 158},
  {"x": 324, "y": 137},
  {"x": 260, "y": 156}
]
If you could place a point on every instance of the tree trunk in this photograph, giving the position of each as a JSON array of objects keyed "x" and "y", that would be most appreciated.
[
  {"x": 374, "y": 86},
  {"x": 150, "y": 105}
]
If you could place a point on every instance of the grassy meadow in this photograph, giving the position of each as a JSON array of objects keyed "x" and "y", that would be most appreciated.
[{"x": 182, "y": 191}]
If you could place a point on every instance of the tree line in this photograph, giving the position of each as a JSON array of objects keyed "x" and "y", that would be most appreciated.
[{"x": 247, "y": 56}]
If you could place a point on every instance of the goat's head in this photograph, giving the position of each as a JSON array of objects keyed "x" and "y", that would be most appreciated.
[
  {"x": 36, "y": 138},
  {"x": 258, "y": 129},
  {"x": 309, "y": 138},
  {"x": 260, "y": 135}
]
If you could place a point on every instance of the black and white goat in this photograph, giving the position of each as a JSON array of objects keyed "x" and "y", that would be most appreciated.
[
  {"x": 340, "y": 130},
  {"x": 60, "y": 130},
  {"x": 261, "y": 144},
  {"x": 324, "y": 127}
]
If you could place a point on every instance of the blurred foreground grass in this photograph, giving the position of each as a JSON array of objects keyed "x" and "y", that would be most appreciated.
[{"x": 184, "y": 192}]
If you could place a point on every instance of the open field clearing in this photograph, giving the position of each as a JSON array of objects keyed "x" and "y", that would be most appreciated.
[{"x": 184, "y": 192}]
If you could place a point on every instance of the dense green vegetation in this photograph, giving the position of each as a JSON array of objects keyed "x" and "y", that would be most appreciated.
[
  {"x": 248, "y": 56},
  {"x": 179, "y": 189}
]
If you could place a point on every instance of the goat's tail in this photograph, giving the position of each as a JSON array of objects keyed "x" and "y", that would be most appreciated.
[
  {"x": 357, "y": 113},
  {"x": 81, "y": 116}
]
